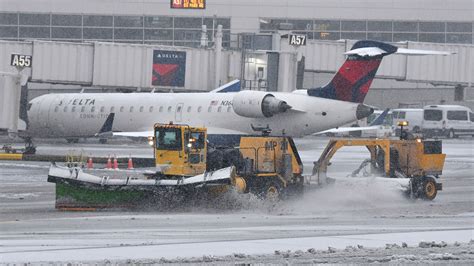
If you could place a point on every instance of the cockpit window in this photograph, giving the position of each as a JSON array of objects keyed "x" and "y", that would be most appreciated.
[
  {"x": 168, "y": 139},
  {"x": 29, "y": 106}
]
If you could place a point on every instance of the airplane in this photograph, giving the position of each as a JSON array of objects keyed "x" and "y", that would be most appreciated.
[{"x": 225, "y": 110}]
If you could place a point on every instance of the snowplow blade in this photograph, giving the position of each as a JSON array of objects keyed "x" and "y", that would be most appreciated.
[{"x": 77, "y": 190}]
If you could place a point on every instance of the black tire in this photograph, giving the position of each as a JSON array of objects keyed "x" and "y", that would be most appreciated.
[
  {"x": 272, "y": 191},
  {"x": 102, "y": 141},
  {"x": 429, "y": 190},
  {"x": 73, "y": 140}
]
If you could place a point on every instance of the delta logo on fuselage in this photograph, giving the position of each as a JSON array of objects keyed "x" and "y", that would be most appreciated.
[{"x": 79, "y": 102}]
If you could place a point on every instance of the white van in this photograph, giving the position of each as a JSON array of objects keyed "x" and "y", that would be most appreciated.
[
  {"x": 447, "y": 120},
  {"x": 414, "y": 117}
]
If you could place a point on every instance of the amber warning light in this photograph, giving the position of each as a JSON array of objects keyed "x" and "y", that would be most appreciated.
[{"x": 188, "y": 4}]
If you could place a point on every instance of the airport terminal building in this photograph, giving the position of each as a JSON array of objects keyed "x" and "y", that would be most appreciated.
[{"x": 251, "y": 25}]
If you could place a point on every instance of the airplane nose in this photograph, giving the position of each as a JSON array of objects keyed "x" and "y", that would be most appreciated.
[{"x": 363, "y": 111}]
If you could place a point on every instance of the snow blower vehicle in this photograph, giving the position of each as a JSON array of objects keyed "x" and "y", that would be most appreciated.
[
  {"x": 187, "y": 167},
  {"x": 412, "y": 162}
]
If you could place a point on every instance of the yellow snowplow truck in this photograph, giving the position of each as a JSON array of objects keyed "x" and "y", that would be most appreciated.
[
  {"x": 187, "y": 168},
  {"x": 416, "y": 160},
  {"x": 264, "y": 165}
]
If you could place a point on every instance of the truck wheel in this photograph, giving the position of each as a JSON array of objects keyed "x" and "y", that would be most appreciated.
[
  {"x": 451, "y": 134},
  {"x": 429, "y": 188},
  {"x": 272, "y": 191}
]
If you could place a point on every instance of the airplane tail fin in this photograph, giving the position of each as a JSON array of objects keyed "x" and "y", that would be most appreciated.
[{"x": 351, "y": 83}]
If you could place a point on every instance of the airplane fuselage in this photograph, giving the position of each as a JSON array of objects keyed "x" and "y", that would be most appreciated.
[{"x": 82, "y": 114}]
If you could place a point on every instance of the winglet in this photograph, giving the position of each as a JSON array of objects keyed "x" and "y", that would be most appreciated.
[
  {"x": 106, "y": 129},
  {"x": 379, "y": 120},
  {"x": 233, "y": 86}
]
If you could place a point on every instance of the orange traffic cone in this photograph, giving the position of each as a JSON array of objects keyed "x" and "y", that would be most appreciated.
[
  {"x": 109, "y": 163},
  {"x": 90, "y": 165},
  {"x": 130, "y": 163},
  {"x": 115, "y": 163}
]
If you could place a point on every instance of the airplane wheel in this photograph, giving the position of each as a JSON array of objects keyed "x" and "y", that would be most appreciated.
[
  {"x": 72, "y": 140},
  {"x": 429, "y": 188},
  {"x": 102, "y": 141}
]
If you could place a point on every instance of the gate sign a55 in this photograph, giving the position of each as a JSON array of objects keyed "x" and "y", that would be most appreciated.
[{"x": 18, "y": 60}]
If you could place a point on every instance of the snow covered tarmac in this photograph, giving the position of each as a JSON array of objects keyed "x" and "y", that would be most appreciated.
[{"x": 366, "y": 213}]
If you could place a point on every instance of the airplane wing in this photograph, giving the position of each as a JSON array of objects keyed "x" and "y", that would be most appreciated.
[
  {"x": 345, "y": 129},
  {"x": 135, "y": 134},
  {"x": 233, "y": 86},
  {"x": 210, "y": 131}
]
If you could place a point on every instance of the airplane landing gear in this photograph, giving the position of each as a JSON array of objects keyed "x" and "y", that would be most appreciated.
[{"x": 30, "y": 148}]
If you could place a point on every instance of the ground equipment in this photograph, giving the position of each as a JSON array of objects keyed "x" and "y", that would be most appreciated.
[
  {"x": 187, "y": 167},
  {"x": 420, "y": 161}
]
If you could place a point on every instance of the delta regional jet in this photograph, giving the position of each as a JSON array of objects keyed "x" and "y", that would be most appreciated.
[{"x": 226, "y": 110}]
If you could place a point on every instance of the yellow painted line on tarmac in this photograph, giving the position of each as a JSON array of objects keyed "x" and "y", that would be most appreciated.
[{"x": 11, "y": 156}]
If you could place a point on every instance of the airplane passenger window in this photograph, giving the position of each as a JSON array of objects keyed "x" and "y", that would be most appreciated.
[
  {"x": 65, "y": 108},
  {"x": 73, "y": 109},
  {"x": 189, "y": 109},
  {"x": 112, "y": 109},
  {"x": 83, "y": 108},
  {"x": 92, "y": 109},
  {"x": 141, "y": 109},
  {"x": 161, "y": 109},
  {"x": 150, "y": 109},
  {"x": 169, "y": 108},
  {"x": 199, "y": 109},
  {"x": 178, "y": 109},
  {"x": 102, "y": 109},
  {"x": 131, "y": 109},
  {"x": 56, "y": 109},
  {"x": 219, "y": 109},
  {"x": 209, "y": 109},
  {"x": 122, "y": 108}
]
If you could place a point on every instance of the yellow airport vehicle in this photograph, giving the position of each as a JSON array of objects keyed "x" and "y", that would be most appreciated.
[
  {"x": 186, "y": 166},
  {"x": 421, "y": 161},
  {"x": 264, "y": 165}
]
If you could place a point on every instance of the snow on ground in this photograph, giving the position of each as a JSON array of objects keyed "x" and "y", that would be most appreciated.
[{"x": 348, "y": 222}]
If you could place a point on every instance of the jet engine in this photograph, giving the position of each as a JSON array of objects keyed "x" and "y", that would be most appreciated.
[{"x": 258, "y": 104}]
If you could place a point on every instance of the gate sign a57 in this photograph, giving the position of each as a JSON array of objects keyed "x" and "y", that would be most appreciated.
[{"x": 297, "y": 39}]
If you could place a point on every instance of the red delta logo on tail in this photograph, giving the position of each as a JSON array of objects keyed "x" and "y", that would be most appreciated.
[{"x": 352, "y": 82}]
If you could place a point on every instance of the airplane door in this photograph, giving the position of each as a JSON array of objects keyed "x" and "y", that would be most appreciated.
[{"x": 179, "y": 112}]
